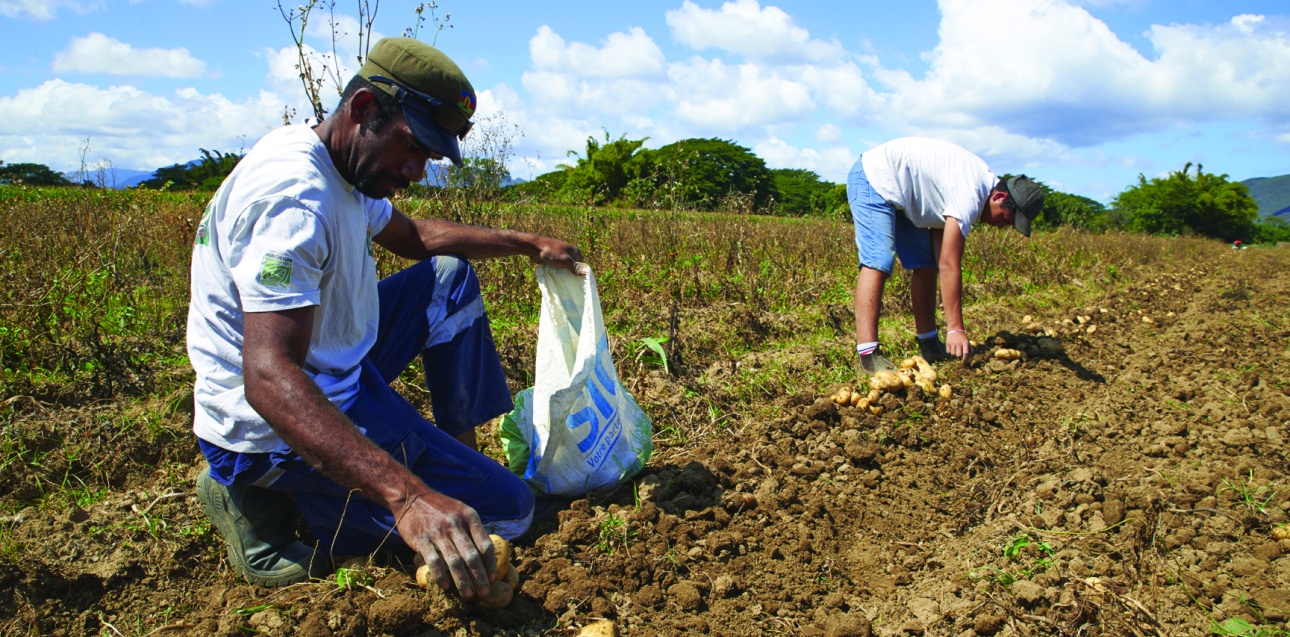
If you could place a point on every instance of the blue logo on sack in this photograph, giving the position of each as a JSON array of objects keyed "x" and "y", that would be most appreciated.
[{"x": 601, "y": 441}]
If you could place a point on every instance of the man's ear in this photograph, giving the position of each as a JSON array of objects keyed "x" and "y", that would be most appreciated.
[
  {"x": 998, "y": 195},
  {"x": 361, "y": 105}
]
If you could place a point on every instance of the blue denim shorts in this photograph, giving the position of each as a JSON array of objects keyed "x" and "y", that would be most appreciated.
[{"x": 882, "y": 232}]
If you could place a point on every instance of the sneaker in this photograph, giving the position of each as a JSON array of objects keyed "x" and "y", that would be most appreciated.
[
  {"x": 932, "y": 349},
  {"x": 875, "y": 362},
  {"x": 259, "y": 527}
]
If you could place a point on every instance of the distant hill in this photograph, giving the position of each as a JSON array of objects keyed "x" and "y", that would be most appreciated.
[
  {"x": 1272, "y": 195},
  {"x": 113, "y": 177}
]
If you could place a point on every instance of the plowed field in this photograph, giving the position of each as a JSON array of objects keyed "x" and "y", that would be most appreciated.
[{"x": 1131, "y": 482}]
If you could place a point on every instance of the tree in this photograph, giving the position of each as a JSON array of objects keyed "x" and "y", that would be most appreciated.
[
  {"x": 31, "y": 175},
  {"x": 704, "y": 172},
  {"x": 206, "y": 174},
  {"x": 483, "y": 176},
  {"x": 1206, "y": 204},
  {"x": 1065, "y": 209},
  {"x": 606, "y": 169},
  {"x": 1271, "y": 230},
  {"x": 802, "y": 193}
]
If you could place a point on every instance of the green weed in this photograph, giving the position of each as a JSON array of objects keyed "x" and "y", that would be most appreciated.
[
  {"x": 1236, "y": 627},
  {"x": 613, "y": 532},
  {"x": 651, "y": 352},
  {"x": 351, "y": 577},
  {"x": 1256, "y": 498},
  {"x": 1033, "y": 555}
]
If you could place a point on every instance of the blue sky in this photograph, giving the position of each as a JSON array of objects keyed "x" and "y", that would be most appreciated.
[{"x": 1084, "y": 95}]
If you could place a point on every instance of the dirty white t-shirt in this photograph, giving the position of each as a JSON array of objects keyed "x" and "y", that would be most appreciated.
[
  {"x": 930, "y": 179},
  {"x": 284, "y": 231}
]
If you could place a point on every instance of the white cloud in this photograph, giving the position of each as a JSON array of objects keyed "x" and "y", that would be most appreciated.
[
  {"x": 284, "y": 78},
  {"x": 1048, "y": 69},
  {"x": 630, "y": 54},
  {"x": 828, "y": 134},
  {"x": 715, "y": 96},
  {"x": 831, "y": 163},
  {"x": 1246, "y": 23},
  {"x": 744, "y": 27},
  {"x": 98, "y": 53},
  {"x": 126, "y": 126},
  {"x": 45, "y": 9}
]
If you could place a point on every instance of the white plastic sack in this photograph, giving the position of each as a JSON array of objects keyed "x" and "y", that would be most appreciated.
[{"x": 577, "y": 428}]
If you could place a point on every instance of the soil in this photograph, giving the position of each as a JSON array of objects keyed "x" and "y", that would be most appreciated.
[{"x": 1127, "y": 482}]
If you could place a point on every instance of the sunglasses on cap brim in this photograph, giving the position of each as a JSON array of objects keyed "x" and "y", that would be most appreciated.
[{"x": 424, "y": 104}]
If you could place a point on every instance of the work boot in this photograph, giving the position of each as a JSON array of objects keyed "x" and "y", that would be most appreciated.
[
  {"x": 259, "y": 525},
  {"x": 875, "y": 362},
  {"x": 932, "y": 349}
]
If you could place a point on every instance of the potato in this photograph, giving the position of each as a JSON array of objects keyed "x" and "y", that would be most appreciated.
[
  {"x": 1025, "y": 319},
  {"x": 499, "y": 595},
  {"x": 510, "y": 576},
  {"x": 925, "y": 370},
  {"x": 886, "y": 381},
  {"x": 873, "y": 396},
  {"x": 856, "y": 397},
  {"x": 1281, "y": 533},
  {"x": 424, "y": 579},
  {"x": 929, "y": 387},
  {"x": 860, "y": 402},
  {"x": 602, "y": 628},
  {"x": 908, "y": 363},
  {"x": 502, "y": 549},
  {"x": 1005, "y": 354},
  {"x": 946, "y": 391},
  {"x": 875, "y": 410},
  {"x": 843, "y": 397},
  {"x": 906, "y": 377}
]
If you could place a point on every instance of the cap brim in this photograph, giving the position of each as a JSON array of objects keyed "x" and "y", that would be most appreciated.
[
  {"x": 1022, "y": 223},
  {"x": 433, "y": 136}
]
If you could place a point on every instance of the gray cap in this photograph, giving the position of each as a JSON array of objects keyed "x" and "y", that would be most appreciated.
[{"x": 1028, "y": 199}]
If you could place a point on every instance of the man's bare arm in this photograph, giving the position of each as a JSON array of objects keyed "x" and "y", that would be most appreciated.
[
  {"x": 422, "y": 238},
  {"x": 950, "y": 264},
  {"x": 446, "y": 532}
]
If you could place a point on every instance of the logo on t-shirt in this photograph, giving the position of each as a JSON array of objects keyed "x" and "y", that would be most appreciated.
[
  {"x": 203, "y": 227},
  {"x": 275, "y": 271}
]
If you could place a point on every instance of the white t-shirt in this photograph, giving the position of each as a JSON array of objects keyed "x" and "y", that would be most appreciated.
[
  {"x": 930, "y": 179},
  {"x": 284, "y": 231}
]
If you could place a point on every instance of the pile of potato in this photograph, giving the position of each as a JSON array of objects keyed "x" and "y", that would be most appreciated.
[
  {"x": 501, "y": 591},
  {"x": 910, "y": 372}
]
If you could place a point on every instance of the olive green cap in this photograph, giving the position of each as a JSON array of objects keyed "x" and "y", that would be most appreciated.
[{"x": 438, "y": 101}]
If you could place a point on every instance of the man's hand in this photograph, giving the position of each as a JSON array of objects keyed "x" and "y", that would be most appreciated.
[
  {"x": 956, "y": 343},
  {"x": 451, "y": 539},
  {"x": 557, "y": 253}
]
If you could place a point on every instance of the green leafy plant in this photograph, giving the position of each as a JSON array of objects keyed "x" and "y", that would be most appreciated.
[
  {"x": 651, "y": 352},
  {"x": 351, "y": 577},
  {"x": 1015, "y": 550},
  {"x": 1237, "y": 627}
]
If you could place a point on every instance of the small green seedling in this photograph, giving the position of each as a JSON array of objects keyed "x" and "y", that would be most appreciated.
[{"x": 658, "y": 357}]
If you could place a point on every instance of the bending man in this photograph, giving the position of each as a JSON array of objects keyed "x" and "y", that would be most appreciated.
[{"x": 918, "y": 199}]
